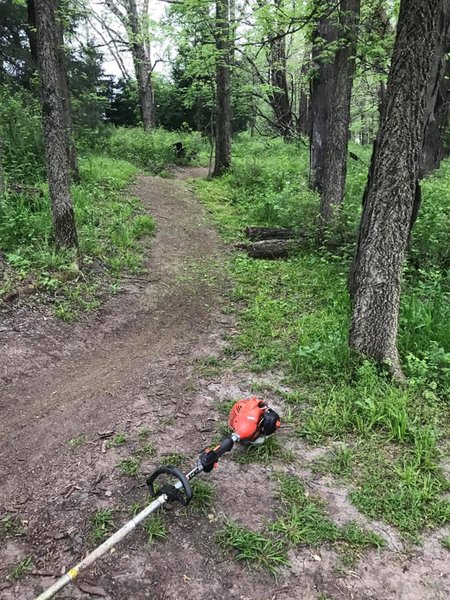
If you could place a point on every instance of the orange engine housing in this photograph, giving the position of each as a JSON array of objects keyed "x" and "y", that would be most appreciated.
[{"x": 245, "y": 418}]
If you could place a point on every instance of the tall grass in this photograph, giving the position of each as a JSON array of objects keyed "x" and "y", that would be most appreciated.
[{"x": 153, "y": 151}]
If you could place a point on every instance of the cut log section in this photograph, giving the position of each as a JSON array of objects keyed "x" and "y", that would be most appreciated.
[
  {"x": 272, "y": 248},
  {"x": 269, "y": 233}
]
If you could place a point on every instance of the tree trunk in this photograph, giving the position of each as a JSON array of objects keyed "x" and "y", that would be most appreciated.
[
  {"x": 279, "y": 92},
  {"x": 388, "y": 201},
  {"x": 223, "y": 105},
  {"x": 31, "y": 32},
  {"x": 64, "y": 228},
  {"x": 65, "y": 97},
  {"x": 434, "y": 148},
  {"x": 304, "y": 126},
  {"x": 437, "y": 116},
  {"x": 334, "y": 169},
  {"x": 141, "y": 51},
  {"x": 320, "y": 97}
]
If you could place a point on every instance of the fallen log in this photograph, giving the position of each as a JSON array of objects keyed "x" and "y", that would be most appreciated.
[
  {"x": 269, "y": 233},
  {"x": 272, "y": 248}
]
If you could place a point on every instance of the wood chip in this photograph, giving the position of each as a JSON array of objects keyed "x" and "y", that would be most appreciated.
[
  {"x": 92, "y": 590},
  {"x": 106, "y": 434}
]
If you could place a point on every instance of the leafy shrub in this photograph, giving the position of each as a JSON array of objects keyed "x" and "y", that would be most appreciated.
[
  {"x": 151, "y": 150},
  {"x": 22, "y": 144}
]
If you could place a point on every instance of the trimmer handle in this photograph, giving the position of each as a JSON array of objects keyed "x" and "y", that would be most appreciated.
[
  {"x": 210, "y": 456},
  {"x": 169, "y": 490}
]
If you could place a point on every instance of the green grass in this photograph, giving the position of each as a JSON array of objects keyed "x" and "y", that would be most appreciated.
[
  {"x": 155, "y": 528},
  {"x": 129, "y": 466},
  {"x": 446, "y": 542},
  {"x": 175, "y": 459},
  {"x": 101, "y": 525},
  {"x": 148, "y": 450},
  {"x": 22, "y": 568},
  {"x": 77, "y": 441},
  {"x": 293, "y": 316},
  {"x": 152, "y": 151},
  {"x": 265, "y": 453},
  {"x": 110, "y": 226},
  {"x": 204, "y": 495},
  {"x": 305, "y": 522},
  {"x": 144, "y": 433},
  {"x": 118, "y": 440},
  {"x": 401, "y": 488},
  {"x": 253, "y": 548},
  {"x": 10, "y": 527}
]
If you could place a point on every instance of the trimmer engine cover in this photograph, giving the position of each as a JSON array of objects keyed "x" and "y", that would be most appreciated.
[{"x": 251, "y": 417}]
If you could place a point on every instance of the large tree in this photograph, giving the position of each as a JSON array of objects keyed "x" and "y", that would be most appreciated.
[
  {"x": 333, "y": 55},
  {"x": 223, "y": 87},
  {"x": 135, "y": 19},
  {"x": 389, "y": 196},
  {"x": 53, "y": 120},
  {"x": 334, "y": 169}
]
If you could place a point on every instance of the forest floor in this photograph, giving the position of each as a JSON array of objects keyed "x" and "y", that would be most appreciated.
[{"x": 151, "y": 366}]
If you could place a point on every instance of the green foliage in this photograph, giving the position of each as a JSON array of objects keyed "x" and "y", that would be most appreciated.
[
  {"x": 148, "y": 450},
  {"x": 406, "y": 492},
  {"x": 204, "y": 494},
  {"x": 22, "y": 568},
  {"x": 446, "y": 542},
  {"x": 101, "y": 524},
  {"x": 109, "y": 227},
  {"x": 254, "y": 548},
  {"x": 77, "y": 441},
  {"x": 118, "y": 440},
  {"x": 175, "y": 459},
  {"x": 305, "y": 522},
  {"x": 294, "y": 314},
  {"x": 151, "y": 151},
  {"x": 129, "y": 466},
  {"x": 22, "y": 144},
  {"x": 10, "y": 527},
  {"x": 265, "y": 453},
  {"x": 155, "y": 528}
]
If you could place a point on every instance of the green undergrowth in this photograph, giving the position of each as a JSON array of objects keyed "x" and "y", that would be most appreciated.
[
  {"x": 110, "y": 225},
  {"x": 153, "y": 151},
  {"x": 303, "y": 522},
  {"x": 293, "y": 315}
]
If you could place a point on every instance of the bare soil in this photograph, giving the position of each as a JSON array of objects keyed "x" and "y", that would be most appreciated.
[{"x": 134, "y": 364}]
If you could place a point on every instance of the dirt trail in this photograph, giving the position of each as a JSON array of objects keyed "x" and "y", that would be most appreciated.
[{"x": 131, "y": 366}]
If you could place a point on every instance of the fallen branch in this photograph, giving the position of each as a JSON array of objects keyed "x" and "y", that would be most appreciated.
[
  {"x": 269, "y": 233},
  {"x": 272, "y": 248}
]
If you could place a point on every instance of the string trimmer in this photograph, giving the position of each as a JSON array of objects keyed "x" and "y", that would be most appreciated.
[{"x": 251, "y": 421}]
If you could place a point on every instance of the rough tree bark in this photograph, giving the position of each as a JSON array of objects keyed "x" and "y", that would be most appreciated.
[
  {"x": 377, "y": 269},
  {"x": 141, "y": 51},
  {"x": 62, "y": 76},
  {"x": 222, "y": 160},
  {"x": 303, "y": 123},
  {"x": 437, "y": 112},
  {"x": 320, "y": 96},
  {"x": 65, "y": 96},
  {"x": 31, "y": 32},
  {"x": 64, "y": 228},
  {"x": 279, "y": 92},
  {"x": 334, "y": 169}
]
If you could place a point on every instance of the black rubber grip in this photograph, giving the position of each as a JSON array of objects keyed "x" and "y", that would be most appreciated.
[
  {"x": 209, "y": 457},
  {"x": 171, "y": 491}
]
